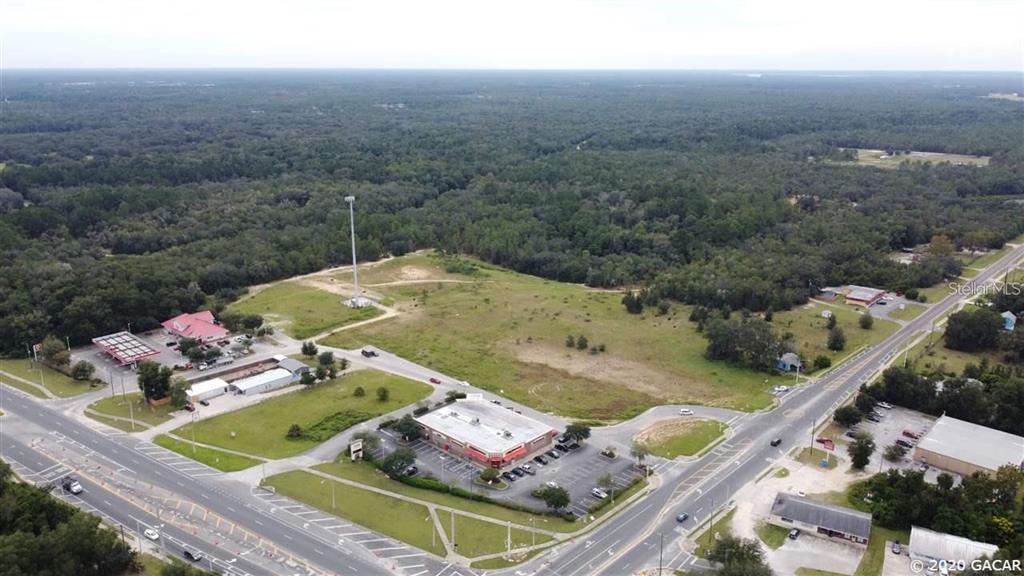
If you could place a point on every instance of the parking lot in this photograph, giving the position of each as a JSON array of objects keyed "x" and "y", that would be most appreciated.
[
  {"x": 577, "y": 471},
  {"x": 893, "y": 422}
]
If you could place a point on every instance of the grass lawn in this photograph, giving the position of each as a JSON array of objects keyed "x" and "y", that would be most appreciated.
[
  {"x": 874, "y": 557},
  {"x": 814, "y": 456},
  {"x": 143, "y": 412},
  {"x": 501, "y": 562},
  {"x": 223, "y": 461},
  {"x": 772, "y": 536},
  {"x": 506, "y": 332},
  {"x": 706, "y": 540},
  {"x": 261, "y": 429},
  {"x": 909, "y": 312},
  {"x": 988, "y": 258},
  {"x": 813, "y": 572},
  {"x": 366, "y": 473},
  {"x": 119, "y": 424},
  {"x": 26, "y": 388},
  {"x": 401, "y": 520},
  {"x": 937, "y": 292},
  {"x": 782, "y": 473},
  {"x": 682, "y": 437},
  {"x": 810, "y": 332},
  {"x": 58, "y": 383},
  {"x": 478, "y": 538},
  {"x": 151, "y": 565},
  {"x": 308, "y": 311},
  {"x": 932, "y": 354}
]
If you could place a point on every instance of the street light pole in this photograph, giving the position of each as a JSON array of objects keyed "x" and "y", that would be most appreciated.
[
  {"x": 193, "y": 433},
  {"x": 661, "y": 553},
  {"x": 352, "y": 227}
]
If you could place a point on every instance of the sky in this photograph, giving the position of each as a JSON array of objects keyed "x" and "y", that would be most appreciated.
[{"x": 515, "y": 34}]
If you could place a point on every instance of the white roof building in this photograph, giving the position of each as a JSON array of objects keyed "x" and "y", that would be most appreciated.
[
  {"x": 951, "y": 442},
  {"x": 207, "y": 389},
  {"x": 939, "y": 546},
  {"x": 264, "y": 381}
]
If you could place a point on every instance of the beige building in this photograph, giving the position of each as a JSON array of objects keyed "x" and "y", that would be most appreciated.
[{"x": 964, "y": 448}]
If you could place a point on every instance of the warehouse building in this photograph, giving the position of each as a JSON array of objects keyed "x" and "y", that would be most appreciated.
[
  {"x": 486, "y": 433},
  {"x": 964, "y": 448},
  {"x": 820, "y": 519},
  {"x": 207, "y": 389},
  {"x": 264, "y": 382},
  {"x": 929, "y": 546},
  {"x": 292, "y": 365}
]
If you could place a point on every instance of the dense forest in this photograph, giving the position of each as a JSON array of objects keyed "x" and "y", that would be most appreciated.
[{"x": 130, "y": 196}]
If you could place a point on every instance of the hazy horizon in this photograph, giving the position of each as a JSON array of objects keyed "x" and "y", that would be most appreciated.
[{"x": 645, "y": 35}]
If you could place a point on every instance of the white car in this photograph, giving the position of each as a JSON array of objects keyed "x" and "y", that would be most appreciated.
[
  {"x": 685, "y": 412},
  {"x": 551, "y": 484},
  {"x": 598, "y": 493},
  {"x": 151, "y": 534}
]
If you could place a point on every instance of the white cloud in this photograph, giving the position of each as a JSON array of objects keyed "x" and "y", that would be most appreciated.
[{"x": 794, "y": 34}]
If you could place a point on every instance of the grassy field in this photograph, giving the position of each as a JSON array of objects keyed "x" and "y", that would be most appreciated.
[
  {"x": 814, "y": 456},
  {"x": 772, "y": 536},
  {"x": 401, "y": 520},
  {"x": 871, "y": 563},
  {"x": 909, "y": 312},
  {"x": 306, "y": 311},
  {"x": 867, "y": 157},
  {"x": 506, "y": 332},
  {"x": 680, "y": 437},
  {"x": 501, "y": 562},
  {"x": 931, "y": 354},
  {"x": 151, "y": 565},
  {"x": 223, "y": 461},
  {"x": 706, "y": 540},
  {"x": 810, "y": 332},
  {"x": 366, "y": 473},
  {"x": 936, "y": 293},
  {"x": 261, "y": 429},
  {"x": 26, "y": 388},
  {"x": 58, "y": 383},
  {"x": 478, "y": 538},
  {"x": 118, "y": 406}
]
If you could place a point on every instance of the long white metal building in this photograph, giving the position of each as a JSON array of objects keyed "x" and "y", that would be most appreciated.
[
  {"x": 265, "y": 381},
  {"x": 207, "y": 389}
]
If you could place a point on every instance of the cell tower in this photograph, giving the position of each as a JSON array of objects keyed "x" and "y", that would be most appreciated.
[{"x": 357, "y": 300}]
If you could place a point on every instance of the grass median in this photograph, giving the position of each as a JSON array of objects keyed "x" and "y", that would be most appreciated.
[
  {"x": 479, "y": 538},
  {"x": 328, "y": 408},
  {"x": 681, "y": 436},
  {"x": 223, "y": 461}
]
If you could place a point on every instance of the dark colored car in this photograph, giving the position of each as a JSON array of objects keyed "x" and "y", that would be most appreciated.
[
  {"x": 435, "y": 381},
  {"x": 904, "y": 443},
  {"x": 190, "y": 408},
  {"x": 368, "y": 353},
  {"x": 508, "y": 477},
  {"x": 193, "y": 554},
  {"x": 850, "y": 434},
  {"x": 573, "y": 445},
  {"x": 204, "y": 402},
  {"x": 794, "y": 534},
  {"x": 554, "y": 454},
  {"x": 518, "y": 472},
  {"x": 776, "y": 442},
  {"x": 563, "y": 438},
  {"x": 896, "y": 548},
  {"x": 872, "y": 418},
  {"x": 682, "y": 517},
  {"x": 562, "y": 448},
  {"x": 540, "y": 460},
  {"x": 411, "y": 471}
]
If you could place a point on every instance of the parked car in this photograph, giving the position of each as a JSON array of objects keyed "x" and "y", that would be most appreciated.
[
  {"x": 554, "y": 454},
  {"x": 203, "y": 366},
  {"x": 190, "y": 408},
  {"x": 794, "y": 533},
  {"x": 539, "y": 459},
  {"x": 911, "y": 434},
  {"x": 850, "y": 434},
  {"x": 872, "y": 418},
  {"x": 685, "y": 412},
  {"x": 884, "y": 405},
  {"x": 598, "y": 493},
  {"x": 171, "y": 344},
  {"x": 682, "y": 517},
  {"x": 435, "y": 380},
  {"x": 776, "y": 442},
  {"x": 562, "y": 448},
  {"x": 367, "y": 353},
  {"x": 562, "y": 439},
  {"x": 574, "y": 445},
  {"x": 204, "y": 402},
  {"x": 551, "y": 484},
  {"x": 70, "y": 484},
  {"x": 528, "y": 469},
  {"x": 904, "y": 443},
  {"x": 508, "y": 476},
  {"x": 518, "y": 472},
  {"x": 411, "y": 471},
  {"x": 896, "y": 548},
  {"x": 151, "y": 534}
]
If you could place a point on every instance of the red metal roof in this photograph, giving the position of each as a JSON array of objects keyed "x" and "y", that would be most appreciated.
[{"x": 198, "y": 325}]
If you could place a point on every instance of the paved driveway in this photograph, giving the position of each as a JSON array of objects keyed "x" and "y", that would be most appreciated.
[{"x": 812, "y": 552}]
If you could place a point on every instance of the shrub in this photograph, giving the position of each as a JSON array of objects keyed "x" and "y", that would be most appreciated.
[
  {"x": 294, "y": 431},
  {"x": 821, "y": 362},
  {"x": 383, "y": 394},
  {"x": 359, "y": 392}
]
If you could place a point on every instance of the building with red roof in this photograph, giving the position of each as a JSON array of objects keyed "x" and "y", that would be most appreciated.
[{"x": 198, "y": 325}]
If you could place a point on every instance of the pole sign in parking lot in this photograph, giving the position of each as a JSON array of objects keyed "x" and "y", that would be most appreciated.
[{"x": 355, "y": 449}]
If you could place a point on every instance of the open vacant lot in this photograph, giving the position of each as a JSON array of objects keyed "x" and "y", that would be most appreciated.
[
  {"x": 302, "y": 310},
  {"x": 680, "y": 436},
  {"x": 117, "y": 406},
  {"x": 262, "y": 429},
  {"x": 58, "y": 383},
  {"x": 507, "y": 332},
  {"x": 224, "y": 461},
  {"x": 878, "y": 158},
  {"x": 810, "y": 330}
]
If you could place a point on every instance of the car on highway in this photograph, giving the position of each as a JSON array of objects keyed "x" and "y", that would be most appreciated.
[
  {"x": 794, "y": 534},
  {"x": 367, "y": 353},
  {"x": 193, "y": 554},
  {"x": 70, "y": 484},
  {"x": 775, "y": 442},
  {"x": 682, "y": 517},
  {"x": 151, "y": 534},
  {"x": 685, "y": 412},
  {"x": 598, "y": 493},
  {"x": 435, "y": 380}
]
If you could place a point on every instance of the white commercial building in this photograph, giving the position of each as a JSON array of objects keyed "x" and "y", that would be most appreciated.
[
  {"x": 264, "y": 381},
  {"x": 965, "y": 448},
  {"x": 206, "y": 390},
  {"x": 927, "y": 545}
]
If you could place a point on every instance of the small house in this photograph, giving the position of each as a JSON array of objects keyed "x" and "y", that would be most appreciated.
[
  {"x": 789, "y": 362},
  {"x": 1009, "y": 320}
]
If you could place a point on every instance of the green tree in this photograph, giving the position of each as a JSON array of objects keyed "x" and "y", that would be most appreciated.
[
  {"x": 836, "y": 339},
  {"x": 294, "y": 432},
  {"x": 605, "y": 481},
  {"x": 343, "y": 365},
  {"x": 307, "y": 379},
  {"x": 847, "y": 416},
  {"x": 640, "y": 451},
  {"x": 489, "y": 475},
  {"x": 395, "y": 463},
  {"x": 577, "y": 431},
  {"x": 973, "y": 330},
  {"x": 894, "y": 452},
  {"x": 821, "y": 362},
  {"x": 582, "y": 343},
  {"x": 82, "y": 370},
  {"x": 177, "y": 568},
  {"x": 554, "y": 497},
  {"x": 359, "y": 392},
  {"x": 309, "y": 349},
  {"x": 730, "y": 550},
  {"x": 866, "y": 320},
  {"x": 326, "y": 358},
  {"x": 570, "y": 341},
  {"x": 830, "y": 323},
  {"x": 860, "y": 450},
  {"x": 321, "y": 372},
  {"x": 154, "y": 380},
  {"x": 54, "y": 353},
  {"x": 383, "y": 394},
  {"x": 179, "y": 391},
  {"x": 407, "y": 427},
  {"x": 371, "y": 441}
]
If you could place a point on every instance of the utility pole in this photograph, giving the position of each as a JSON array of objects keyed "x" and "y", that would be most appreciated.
[
  {"x": 333, "y": 506},
  {"x": 355, "y": 272},
  {"x": 454, "y": 545},
  {"x": 661, "y": 552},
  {"x": 124, "y": 395},
  {"x": 508, "y": 541},
  {"x": 193, "y": 433}
]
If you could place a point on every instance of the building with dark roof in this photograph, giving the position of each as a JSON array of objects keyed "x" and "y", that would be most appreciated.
[{"x": 820, "y": 519}]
